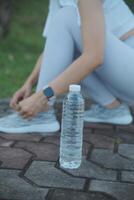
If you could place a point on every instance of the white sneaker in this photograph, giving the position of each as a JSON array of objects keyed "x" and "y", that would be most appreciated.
[
  {"x": 42, "y": 123},
  {"x": 119, "y": 115}
]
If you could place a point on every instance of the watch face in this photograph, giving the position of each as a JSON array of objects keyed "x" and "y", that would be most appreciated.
[{"x": 48, "y": 92}]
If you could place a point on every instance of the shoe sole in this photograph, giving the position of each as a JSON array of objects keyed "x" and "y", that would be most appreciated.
[
  {"x": 51, "y": 127},
  {"x": 121, "y": 121}
]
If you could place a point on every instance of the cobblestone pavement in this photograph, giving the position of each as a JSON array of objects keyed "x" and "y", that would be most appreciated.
[{"x": 29, "y": 167}]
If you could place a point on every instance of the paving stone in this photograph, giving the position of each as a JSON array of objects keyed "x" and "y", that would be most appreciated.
[
  {"x": 125, "y": 136},
  {"x": 86, "y": 148},
  {"x": 99, "y": 141},
  {"x": 45, "y": 174},
  {"x": 128, "y": 128},
  {"x": 107, "y": 132},
  {"x": 77, "y": 195},
  {"x": 90, "y": 170},
  {"x": 120, "y": 136},
  {"x": 108, "y": 159},
  {"x": 15, "y": 188},
  {"x": 121, "y": 191},
  {"x": 55, "y": 139},
  {"x": 22, "y": 137},
  {"x": 43, "y": 151},
  {"x": 5, "y": 143},
  {"x": 88, "y": 125},
  {"x": 126, "y": 150},
  {"x": 86, "y": 135},
  {"x": 13, "y": 158},
  {"x": 127, "y": 176}
]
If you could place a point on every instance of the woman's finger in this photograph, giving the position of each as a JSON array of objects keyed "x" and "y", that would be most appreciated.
[
  {"x": 15, "y": 100},
  {"x": 27, "y": 116},
  {"x": 22, "y": 113},
  {"x": 17, "y": 107},
  {"x": 12, "y": 103}
]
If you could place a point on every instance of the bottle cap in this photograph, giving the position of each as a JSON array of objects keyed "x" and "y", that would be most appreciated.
[{"x": 75, "y": 88}]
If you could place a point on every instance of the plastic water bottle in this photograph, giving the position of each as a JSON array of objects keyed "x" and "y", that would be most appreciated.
[{"x": 72, "y": 128}]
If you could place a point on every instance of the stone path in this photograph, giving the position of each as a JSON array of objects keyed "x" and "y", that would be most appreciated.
[{"x": 29, "y": 167}]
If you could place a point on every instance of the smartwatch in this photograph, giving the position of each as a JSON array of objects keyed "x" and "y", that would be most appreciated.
[{"x": 49, "y": 93}]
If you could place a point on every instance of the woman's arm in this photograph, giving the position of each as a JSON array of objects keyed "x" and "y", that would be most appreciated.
[
  {"x": 32, "y": 79},
  {"x": 93, "y": 35}
]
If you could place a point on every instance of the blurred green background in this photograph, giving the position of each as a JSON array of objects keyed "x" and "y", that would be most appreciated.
[{"x": 20, "y": 49}]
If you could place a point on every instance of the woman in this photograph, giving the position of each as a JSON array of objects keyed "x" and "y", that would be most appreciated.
[{"x": 90, "y": 43}]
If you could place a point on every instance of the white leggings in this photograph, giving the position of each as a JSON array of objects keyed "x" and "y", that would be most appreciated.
[{"x": 114, "y": 79}]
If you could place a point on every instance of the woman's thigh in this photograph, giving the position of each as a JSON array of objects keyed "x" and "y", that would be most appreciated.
[{"x": 117, "y": 70}]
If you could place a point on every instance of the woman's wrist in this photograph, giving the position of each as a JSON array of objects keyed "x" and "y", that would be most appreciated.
[
  {"x": 30, "y": 81},
  {"x": 28, "y": 84}
]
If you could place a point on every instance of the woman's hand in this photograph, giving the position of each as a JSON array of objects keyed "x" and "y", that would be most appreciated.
[
  {"x": 34, "y": 104},
  {"x": 24, "y": 92}
]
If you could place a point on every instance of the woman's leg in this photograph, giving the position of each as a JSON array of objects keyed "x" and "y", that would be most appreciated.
[
  {"x": 64, "y": 37},
  {"x": 58, "y": 52},
  {"x": 117, "y": 71}
]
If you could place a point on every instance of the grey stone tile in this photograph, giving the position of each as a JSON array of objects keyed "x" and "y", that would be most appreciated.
[
  {"x": 108, "y": 159},
  {"x": 5, "y": 143},
  {"x": 121, "y": 191},
  {"x": 129, "y": 128},
  {"x": 35, "y": 137},
  {"x": 99, "y": 140},
  {"x": 55, "y": 139},
  {"x": 45, "y": 174},
  {"x": 77, "y": 195},
  {"x": 125, "y": 136},
  {"x": 98, "y": 126},
  {"x": 127, "y": 176},
  {"x": 90, "y": 170},
  {"x": 14, "y": 187},
  {"x": 108, "y": 133},
  {"x": 43, "y": 151},
  {"x": 127, "y": 150},
  {"x": 14, "y": 158}
]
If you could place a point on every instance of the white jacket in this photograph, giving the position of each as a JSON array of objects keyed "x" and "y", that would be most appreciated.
[{"x": 119, "y": 19}]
